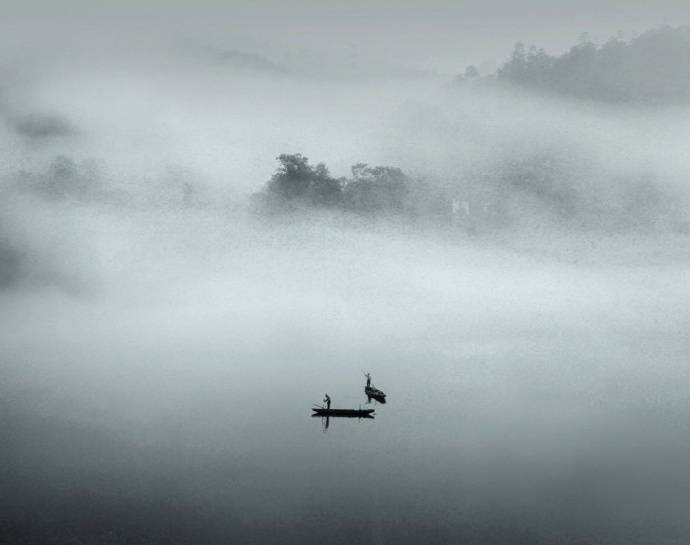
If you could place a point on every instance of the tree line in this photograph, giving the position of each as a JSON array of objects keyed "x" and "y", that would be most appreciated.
[
  {"x": 549, "y": 188},
  {"x": 542, "y": 188},
  {"x": 298, "y": 184},
  {"x": 653, "y": 67}
]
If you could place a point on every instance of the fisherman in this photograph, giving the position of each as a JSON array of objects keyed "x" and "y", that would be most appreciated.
[
  {"x": 327, "y": 401},
  {"x": 368, "y": 379}
]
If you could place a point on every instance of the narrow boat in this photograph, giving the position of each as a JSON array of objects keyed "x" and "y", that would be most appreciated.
[{"x": 361, "y": 413}]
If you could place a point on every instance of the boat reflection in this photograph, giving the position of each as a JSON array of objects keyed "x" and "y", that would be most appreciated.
[
  {"x": 326, "y": 419},
  {"x": 378, "y": 398}
]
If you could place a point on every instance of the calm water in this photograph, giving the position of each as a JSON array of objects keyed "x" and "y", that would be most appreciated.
[
  {"x": 478, "y": 448},
  {"x": 538, "y": 416}
]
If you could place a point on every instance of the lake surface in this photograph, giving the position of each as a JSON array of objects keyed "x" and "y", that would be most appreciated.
[{"x": 519, "y": 410}]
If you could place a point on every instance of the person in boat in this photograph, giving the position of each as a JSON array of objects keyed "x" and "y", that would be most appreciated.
[
  {"x": 368, "y": 379},
  {"x": 327, "y": 401}
]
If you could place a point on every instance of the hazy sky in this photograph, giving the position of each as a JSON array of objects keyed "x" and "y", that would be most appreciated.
[{"x": 436, "y": 34}]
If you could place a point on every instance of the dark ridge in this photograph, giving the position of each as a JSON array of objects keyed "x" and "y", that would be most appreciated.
[{"x": 652, "y": 68}]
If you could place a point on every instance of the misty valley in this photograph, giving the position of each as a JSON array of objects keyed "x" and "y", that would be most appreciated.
[{"x": 197, "y": 242}]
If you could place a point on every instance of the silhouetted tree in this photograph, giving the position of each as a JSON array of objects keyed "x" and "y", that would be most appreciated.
[{"x": 296, "y": 179}]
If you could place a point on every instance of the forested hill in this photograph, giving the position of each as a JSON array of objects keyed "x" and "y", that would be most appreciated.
[
  {"x": 653, "y": 67},
  {"x": 511, "y": 193}
]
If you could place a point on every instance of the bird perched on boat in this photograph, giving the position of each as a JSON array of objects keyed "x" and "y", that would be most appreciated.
[{"x": 372, "y": 392}]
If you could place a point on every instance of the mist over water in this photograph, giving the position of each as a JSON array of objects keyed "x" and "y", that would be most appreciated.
[{"x": 162, "y": 340}]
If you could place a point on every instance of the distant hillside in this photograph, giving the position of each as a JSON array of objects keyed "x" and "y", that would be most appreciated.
[
  {"x": 233, "y": 59},
  {"x": 653, "y": 67}
]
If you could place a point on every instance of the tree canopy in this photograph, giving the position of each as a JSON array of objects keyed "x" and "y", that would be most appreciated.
[
  {"x": 653, "y": 67},
  {"x": 370, "y": 189},
  {"x": 297, "y": 180}
]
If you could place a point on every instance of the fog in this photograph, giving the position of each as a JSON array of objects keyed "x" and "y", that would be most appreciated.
[{"x": 163, "y": 338}]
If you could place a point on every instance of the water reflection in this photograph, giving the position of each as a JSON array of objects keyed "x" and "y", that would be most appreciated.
[
  {"x": 377, "y": 398},
  {"x": 326, "y": 420}
]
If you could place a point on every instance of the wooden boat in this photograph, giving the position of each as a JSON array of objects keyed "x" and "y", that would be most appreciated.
[{"x": 356, "y": 413}]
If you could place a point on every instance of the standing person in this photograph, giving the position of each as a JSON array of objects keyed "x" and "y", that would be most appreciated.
[
  {"x": 368, "y": 379},
  {"x": 327, "y": 401}
]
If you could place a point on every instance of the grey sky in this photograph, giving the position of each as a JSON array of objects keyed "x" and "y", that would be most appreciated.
[{"x": 436, "y": 34}]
